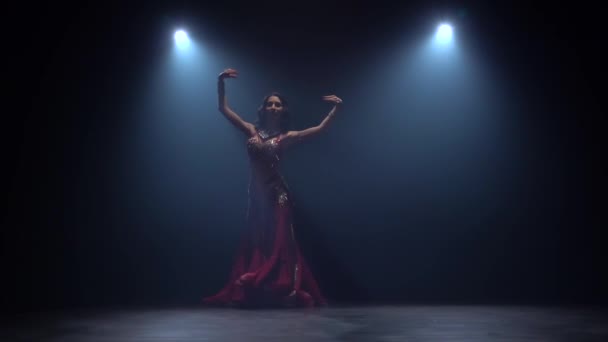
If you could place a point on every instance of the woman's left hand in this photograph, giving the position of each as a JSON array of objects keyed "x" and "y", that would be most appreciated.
[{"x": 333, "y": 99}]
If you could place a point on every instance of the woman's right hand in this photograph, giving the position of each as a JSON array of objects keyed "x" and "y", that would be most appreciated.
[{"x": 228, "y": 73}]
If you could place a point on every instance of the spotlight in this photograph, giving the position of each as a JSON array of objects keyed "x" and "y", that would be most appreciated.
[
  {"x": 181, "y": 39},
  {"x": 444, "y": 34}
]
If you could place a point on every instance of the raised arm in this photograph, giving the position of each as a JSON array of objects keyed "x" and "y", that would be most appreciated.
[
  {"x": 297, "y": 136},
  {"x": 222, "y": 102}
]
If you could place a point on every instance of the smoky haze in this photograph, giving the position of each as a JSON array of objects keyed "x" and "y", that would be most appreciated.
[{"x": 450, "y": 174}]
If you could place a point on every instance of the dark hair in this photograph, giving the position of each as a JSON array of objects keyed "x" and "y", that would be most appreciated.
[{"x": 285, "y": 117}]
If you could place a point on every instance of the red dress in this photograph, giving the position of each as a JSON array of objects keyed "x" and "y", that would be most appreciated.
[{"x": 268, "y": 269}]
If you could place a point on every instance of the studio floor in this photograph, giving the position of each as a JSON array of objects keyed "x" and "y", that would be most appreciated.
[{"x": 344, "y": 323}]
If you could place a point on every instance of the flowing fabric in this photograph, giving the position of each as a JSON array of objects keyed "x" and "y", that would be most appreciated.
[{"x": 268, "y": 269}]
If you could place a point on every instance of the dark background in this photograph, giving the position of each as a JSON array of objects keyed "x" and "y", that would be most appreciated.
[{"x": 91, "y": 220}]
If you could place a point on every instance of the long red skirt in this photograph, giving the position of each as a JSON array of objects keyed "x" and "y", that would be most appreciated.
[{"x": 269, "y": 270}]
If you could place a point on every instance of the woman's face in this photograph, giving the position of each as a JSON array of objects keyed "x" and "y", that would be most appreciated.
[{"x": 274, "y": 106}]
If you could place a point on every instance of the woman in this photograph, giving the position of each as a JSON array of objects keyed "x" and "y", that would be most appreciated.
[{"x": 268, "y": 269}]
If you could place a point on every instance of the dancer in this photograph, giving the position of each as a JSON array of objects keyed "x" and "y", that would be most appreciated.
[{"x": 269, "y": 269}]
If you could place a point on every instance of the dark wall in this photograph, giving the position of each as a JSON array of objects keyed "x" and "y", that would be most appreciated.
[{"x": 384, "y": 211}]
